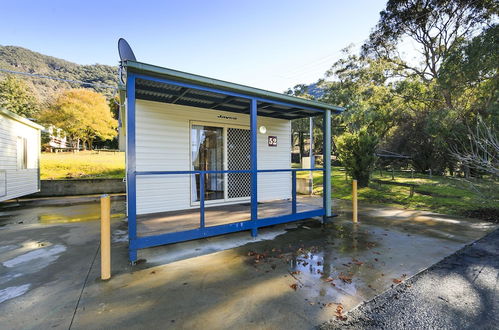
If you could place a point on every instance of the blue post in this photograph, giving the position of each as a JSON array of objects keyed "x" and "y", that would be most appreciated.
[
  {"x": 254, "y": 166},
  {"x": 311, "y": 154},
  {"x": 293, "y": 191},
  {"x": 131, "y": 167},
  {"x": 311, "y": 134},
  {"x": 327, "y": 164},
  {"x": 201, "y": 199}
]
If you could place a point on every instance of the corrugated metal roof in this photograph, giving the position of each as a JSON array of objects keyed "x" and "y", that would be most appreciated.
[{"x": 163, "y": 92}]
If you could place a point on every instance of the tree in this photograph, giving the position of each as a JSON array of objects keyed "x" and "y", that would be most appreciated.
[
  {"x": 356, "y": 152},
  {"x": 481, "y": 150},
  {"x": 17, "y": 97},
  {"x": 300, "y": 127},
  {"x": 364, "y": 88},
  {"x": 453, "y": 79},
  {"x": 471, "y": 74},
  {"x": 434, "y": 25},
  {"x": 83, "y": 115}
]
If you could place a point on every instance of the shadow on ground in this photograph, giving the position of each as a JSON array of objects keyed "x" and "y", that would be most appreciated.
[{"x": 295, "y": 276}]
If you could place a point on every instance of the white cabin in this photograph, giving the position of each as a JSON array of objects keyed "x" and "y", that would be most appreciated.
[
  {"x": 19, "y": 156},
  {"x": 207, "y": 157},
  {"x": 172, "y": 137}
]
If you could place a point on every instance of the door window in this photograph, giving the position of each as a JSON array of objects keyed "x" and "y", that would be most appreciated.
[{"x": 207, "y": 154}]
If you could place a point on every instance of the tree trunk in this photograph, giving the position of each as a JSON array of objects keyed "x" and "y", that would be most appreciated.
[{"x": 77, "y": 147}]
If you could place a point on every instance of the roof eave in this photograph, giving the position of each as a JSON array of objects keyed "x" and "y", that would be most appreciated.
[
  {"x": 139, "y": 67},
  {"x": 21, "y": 119}
]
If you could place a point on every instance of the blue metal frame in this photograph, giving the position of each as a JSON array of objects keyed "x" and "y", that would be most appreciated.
[
  {"x": 131, "y": 183},
  {"x": 326, "y": 180},
  {"x": 253, "y": 165},
  {"x": 252, "y": 224},
  {"x": 214, "y": 90}
]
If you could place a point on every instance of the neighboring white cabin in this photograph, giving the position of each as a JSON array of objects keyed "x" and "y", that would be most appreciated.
[
  {"x": 167, "y": 139},
  {"x": 58, "y": 139},
  {"x": 19, "y": 156}
]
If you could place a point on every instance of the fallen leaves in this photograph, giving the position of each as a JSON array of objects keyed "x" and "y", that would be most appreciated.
[
  {"x": 357, "y": 262},
  {"x": 345, "y": 278},
  {"x": 339, "y": 313},
  {"x": 294, "y": 286},
  {"x": 399, "y": 280}
]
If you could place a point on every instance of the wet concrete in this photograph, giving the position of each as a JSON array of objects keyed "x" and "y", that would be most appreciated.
[
  {"x": 296, "y": 276},
  {"x": 459, "y": 292},
  {"x": 50, "y": 213},
  {"x": 42, "y": 272}
]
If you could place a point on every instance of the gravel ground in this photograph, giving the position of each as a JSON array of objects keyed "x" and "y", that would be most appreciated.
[{"x": 459, "y": 292}]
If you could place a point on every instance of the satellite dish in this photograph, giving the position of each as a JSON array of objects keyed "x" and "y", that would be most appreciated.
[{"x": 125, "y": 51}]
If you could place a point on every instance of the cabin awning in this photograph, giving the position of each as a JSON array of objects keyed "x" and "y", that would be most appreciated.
[{"x": 159, "y": 84}]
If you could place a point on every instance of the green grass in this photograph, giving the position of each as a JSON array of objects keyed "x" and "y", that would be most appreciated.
[
  {"x": 438, "y": 194},
  {"x": 82, "y": 165}
]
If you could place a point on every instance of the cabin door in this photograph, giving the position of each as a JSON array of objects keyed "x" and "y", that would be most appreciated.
[
  {"x": 216, "y": 148},
  {"x": 207, "y": 154}
]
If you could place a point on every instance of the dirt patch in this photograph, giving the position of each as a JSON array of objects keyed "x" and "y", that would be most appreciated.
[{"x": 487, "y": 213}]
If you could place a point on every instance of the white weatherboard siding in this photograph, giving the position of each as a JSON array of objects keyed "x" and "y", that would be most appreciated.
[
  {"x": 15, "y": 182},
  {"x": 162, "y": 144}
]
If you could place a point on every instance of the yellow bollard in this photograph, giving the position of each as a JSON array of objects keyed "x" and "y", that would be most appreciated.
[
  {"x": 354, "y": 201},
  {"x": 105, "y": 237}
]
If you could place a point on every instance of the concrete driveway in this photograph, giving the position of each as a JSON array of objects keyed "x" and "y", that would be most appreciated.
[{"x": 293, "y": 276}]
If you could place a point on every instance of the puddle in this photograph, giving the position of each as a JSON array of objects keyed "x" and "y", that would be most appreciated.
[
  {"x": 8, "y": 277},
  {"x": 35, "y": 260},
  {"x": 59, "y": 213},
  {"x": 13, "y": 291},
  {"x": 119, "y": 235},
  {"x": 349, "y": 263}
]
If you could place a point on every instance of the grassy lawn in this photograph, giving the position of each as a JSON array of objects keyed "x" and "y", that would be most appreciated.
[
  {"x": 82, "y": 165},
  {"x": 438, "y": 194}
]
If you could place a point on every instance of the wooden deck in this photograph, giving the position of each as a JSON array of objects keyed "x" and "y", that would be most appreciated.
[{"x": 175, "y": 221}]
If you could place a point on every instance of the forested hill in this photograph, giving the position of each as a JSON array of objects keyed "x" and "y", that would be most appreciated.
[{"x": 22, "y": 59}]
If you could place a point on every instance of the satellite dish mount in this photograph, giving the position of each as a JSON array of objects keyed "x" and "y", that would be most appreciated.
[{"x": 126, "y": 54}]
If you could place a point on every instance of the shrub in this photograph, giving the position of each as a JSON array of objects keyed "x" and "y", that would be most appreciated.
[{"x": 356, "y": 152}]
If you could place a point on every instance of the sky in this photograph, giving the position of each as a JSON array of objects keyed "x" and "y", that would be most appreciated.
[{"x": 269, "y": 44}]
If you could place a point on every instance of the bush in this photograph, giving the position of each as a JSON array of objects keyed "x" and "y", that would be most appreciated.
[{"x": 356, "y": 152}]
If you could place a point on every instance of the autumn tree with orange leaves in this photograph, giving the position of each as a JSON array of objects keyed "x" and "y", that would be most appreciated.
[{"x": 83, "y": 115}]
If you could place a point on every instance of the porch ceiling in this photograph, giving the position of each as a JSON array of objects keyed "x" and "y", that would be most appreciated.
[
  {"x": 178, "y": 87},
  {"x": 166, "y": 93}
]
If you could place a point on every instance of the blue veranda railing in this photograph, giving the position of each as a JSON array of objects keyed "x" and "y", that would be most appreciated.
[
  {"x": 136, "y": 242},
  {"x": 203, "y": 231}
]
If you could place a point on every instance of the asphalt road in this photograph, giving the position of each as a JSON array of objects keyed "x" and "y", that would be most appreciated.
[{"x": 459, "y": 292}]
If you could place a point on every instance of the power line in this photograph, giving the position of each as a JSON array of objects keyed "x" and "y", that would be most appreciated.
[{"x": 59, "y": 79}]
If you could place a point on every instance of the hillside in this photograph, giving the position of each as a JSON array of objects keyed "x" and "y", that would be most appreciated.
[{"x": 22, "y": 59}]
